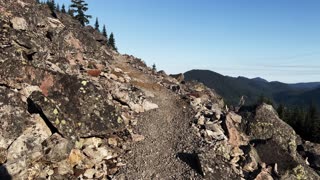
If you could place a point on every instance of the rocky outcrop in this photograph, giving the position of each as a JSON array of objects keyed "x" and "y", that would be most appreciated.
[
  {"x": 61, "y": 114},
  {"x": 275, "y": 144}
]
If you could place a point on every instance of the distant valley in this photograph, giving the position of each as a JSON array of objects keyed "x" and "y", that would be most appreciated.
[{"x": 232, "y": 88}]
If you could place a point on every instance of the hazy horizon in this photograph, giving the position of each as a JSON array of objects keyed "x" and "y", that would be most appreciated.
[{"x": 277, "y": 40}]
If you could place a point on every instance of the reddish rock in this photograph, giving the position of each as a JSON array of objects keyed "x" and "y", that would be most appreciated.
[
  {"x": 94, "y": 72},
  {"x": 46, "y": 84},
  {"x": 236, "y": 138}
]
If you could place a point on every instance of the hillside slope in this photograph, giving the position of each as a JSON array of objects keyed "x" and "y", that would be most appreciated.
[
  {"x": 71, "y": 108},
  {"x": 233, "y": 88}
]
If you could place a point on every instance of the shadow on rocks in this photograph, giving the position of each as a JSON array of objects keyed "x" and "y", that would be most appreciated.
[
  {"x": 192, "y": 160},
  {"x": 4, "y": 174}
]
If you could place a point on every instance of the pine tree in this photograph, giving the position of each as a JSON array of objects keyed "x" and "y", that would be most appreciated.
[
  {"x": 154, "y": 68},
  {"x": 51, "y": 4},
  {"x": 281, "y": 111},
  {"x": 104, "y": 32},
  {"x": 80, "y": 7},
  {"x": 112, "y": 42},
  {"x": 58, "y": 7},
  {"x": 96, "y": 25},
  {"x": 63, "y": 9},
  {"x": 70, "y": 12},
  {"x": 38, "y": 2}
]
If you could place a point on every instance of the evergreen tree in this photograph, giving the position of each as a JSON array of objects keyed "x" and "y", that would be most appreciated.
[
  {"x": 80, "y": 7},
  {"x": 70, "y": 12},
  {"x": 263, "y": 99},
  {"x": 58, "y": 7},
  {"x": 154, "y": 68},
  {"x": 104, "y": 32},
  {"x": 63, "y": 9},
  {"x": 38, "y": 2},
  {"x": 112, "y": 42},
  {"x": 51, "y": 5},
  {"x": 96, "y": 25},
  {"x": 281, "y": 111}
]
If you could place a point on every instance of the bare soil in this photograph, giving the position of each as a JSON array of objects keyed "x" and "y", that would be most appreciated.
[{"x": 167, "y": 152}]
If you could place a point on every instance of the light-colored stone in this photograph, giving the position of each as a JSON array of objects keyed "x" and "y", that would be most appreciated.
[
  {"x": 113, "y": 77},
  {"x": 112, "y": 141},
  {"x": 137, "y": 137},
  {"x": 264, "y": 175},
  {"x": 196, "y": 102},
  {"x": 89, "y": 173},
  {"x": 50, "y": 172},
  {"x": 137, "y": 108},
  {"x": 64, "y": 167},
  {"x": 234, "y": 117},
  {"x": 236, "y": 138},
  {"x": 55, "y": 24},
  {"x": 27, "y": 91},
  {"x": 118, "y": 70},
  {"x": 19, "y": 23},
  {"x": 30, "y": 140},
  {"x": 236, "y": 151},
  {"x": 75, "y": 157},
  {"x": 201, "y": 120},
  {"x": 147, "y": 105},
  {"x": 121, "y": 79},
  {"x": 93, "y": 142},
  {"x": 96, "y": 155}
]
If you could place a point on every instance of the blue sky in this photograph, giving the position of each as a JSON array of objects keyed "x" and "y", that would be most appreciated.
[{"x": 272, "y": 39}]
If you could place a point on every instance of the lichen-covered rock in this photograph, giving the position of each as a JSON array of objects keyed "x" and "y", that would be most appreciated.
[
  {"x": 275, "y": 142},
  {"x": 262, "y": 128},
  {"x": 74, "y": 108},
  {"x": 215, "y": 166},
  {"x": 14, "y": 118},
  {"x": 56, "y": 148}
]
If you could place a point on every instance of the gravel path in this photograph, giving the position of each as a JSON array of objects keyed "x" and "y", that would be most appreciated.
[{"x": 167, "y": 151}]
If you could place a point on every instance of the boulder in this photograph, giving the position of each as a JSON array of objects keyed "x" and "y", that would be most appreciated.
[
  {"x": 236, "y": 137},
  {"x": 178, "y": 77},
  {"x": 19, "y": 23},
  {"x": 252, "y": 159},
  {"x": 89, "y": 173},
  {"x": 96, "y": 155},
  {"x": 67, "y": 105},
  {"x": 276, "y": 142},
  {"x": 311, "y": 152},
  {"x": 75, "y": 157},
  {"x": 147, "y": 105},
  {"x": 214, "y": 166},
  {"x": 262, "y": 128},
  {"x": 56, "y": 148},
  {"x": 21, "y": 134}
]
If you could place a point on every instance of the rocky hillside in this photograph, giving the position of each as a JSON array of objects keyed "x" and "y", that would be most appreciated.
[{"x": 71, "y": 108}]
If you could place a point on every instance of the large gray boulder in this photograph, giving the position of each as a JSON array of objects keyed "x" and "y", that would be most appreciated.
[{"x": 276, "y": 144}]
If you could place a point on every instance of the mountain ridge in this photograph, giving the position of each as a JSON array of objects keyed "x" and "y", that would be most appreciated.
[{"x": 253, "y": 88}]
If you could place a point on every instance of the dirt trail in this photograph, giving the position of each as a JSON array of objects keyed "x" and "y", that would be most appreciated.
[{"x": 169, "y": 143}]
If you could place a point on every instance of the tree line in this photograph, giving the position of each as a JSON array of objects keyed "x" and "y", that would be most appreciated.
[
  {"x": 77, "y": 10},
  {"x": 304, "y": 120}
]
